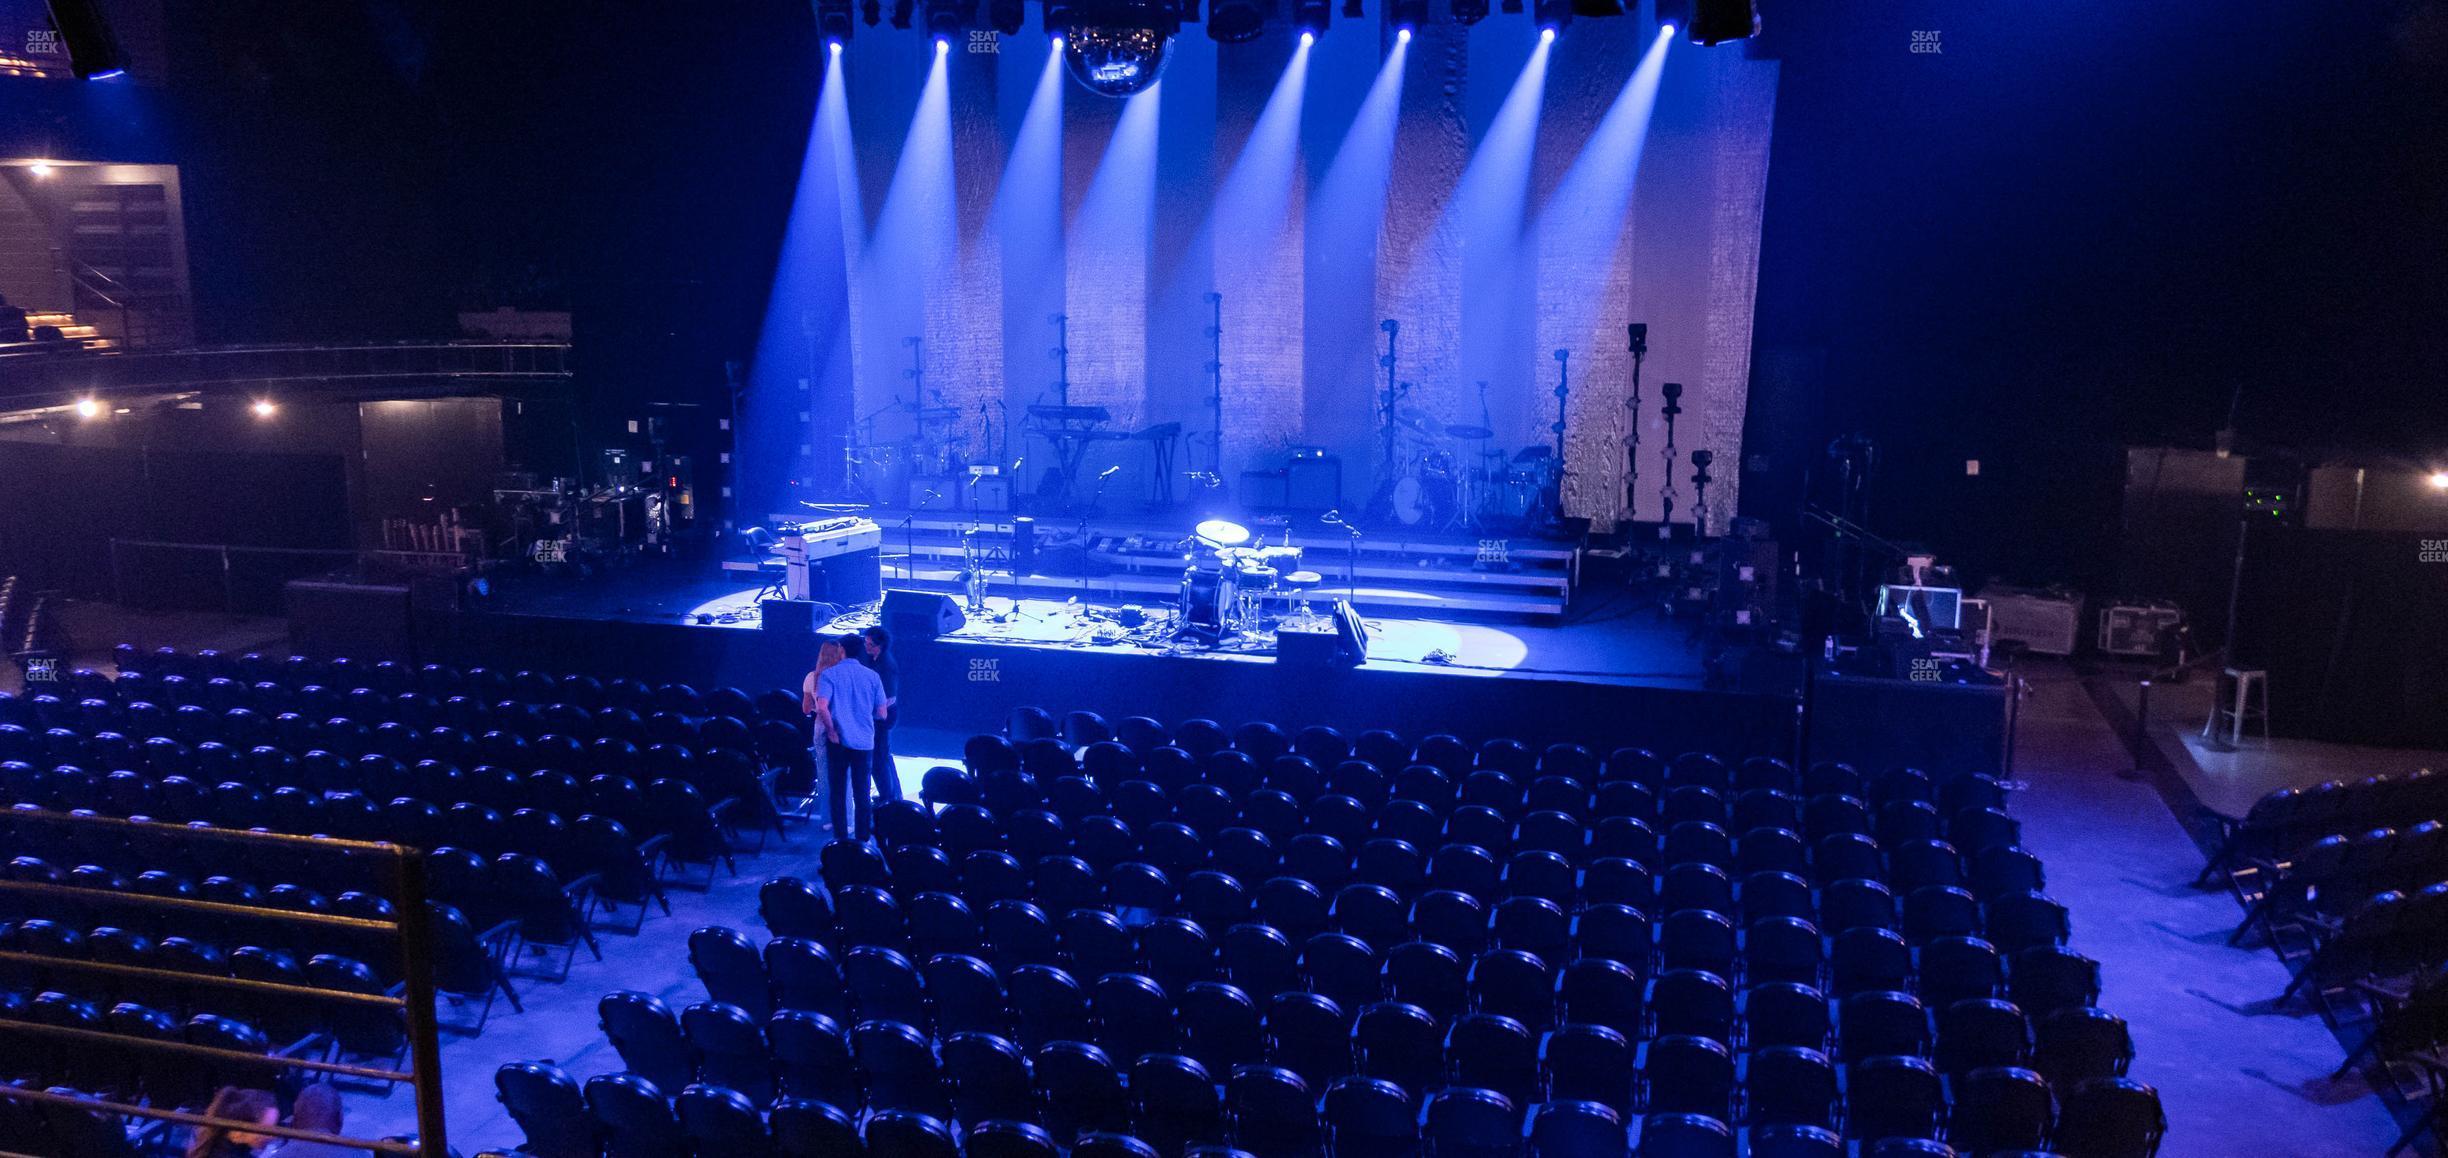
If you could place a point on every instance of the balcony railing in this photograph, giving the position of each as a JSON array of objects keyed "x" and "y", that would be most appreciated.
[{"x": 28, "y": 374}]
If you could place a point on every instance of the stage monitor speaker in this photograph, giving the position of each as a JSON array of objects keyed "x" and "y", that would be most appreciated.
[
  {"x": 796, "y": 616},
  {"x": 921, "y": 615},
  {"x": 1341, "y": 640},
  {"x": 855, "y": 578}
]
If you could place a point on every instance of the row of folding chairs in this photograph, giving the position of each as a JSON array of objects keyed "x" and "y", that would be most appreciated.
[
  {"x": 1631, "y": 783},
  {"x": 1072, "y": 1098},
  {"x": 1043, "y": 1001},
  {"x": 2388, "y": 935},
  {"x": 2281, "y": 823},
  {"x": 182, "y": 738},
  {"x": 489, "y": 683},
  {"x": 1180, "y": 869},
  {"x": 2329, "y": 875}
]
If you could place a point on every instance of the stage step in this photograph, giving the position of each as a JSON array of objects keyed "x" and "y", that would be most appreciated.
[{"x": 1389, "y": 572}]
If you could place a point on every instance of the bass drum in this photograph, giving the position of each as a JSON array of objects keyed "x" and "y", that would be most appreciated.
[
  {"x": 1422, "y": 501},
  {"x": 1207, "y": 596}
]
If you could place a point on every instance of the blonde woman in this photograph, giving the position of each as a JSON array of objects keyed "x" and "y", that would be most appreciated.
[{"x": 820, "y": 717}]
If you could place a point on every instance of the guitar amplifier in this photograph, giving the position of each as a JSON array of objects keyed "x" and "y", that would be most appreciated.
[
  {"x": 1313, "y": 485},
  {"x": 1266, "y": 490}
]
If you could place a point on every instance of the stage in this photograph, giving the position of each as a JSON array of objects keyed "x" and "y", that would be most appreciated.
[{"x": 1613, "y": 671}]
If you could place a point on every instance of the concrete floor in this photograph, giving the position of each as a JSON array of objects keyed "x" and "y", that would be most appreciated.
[{"x": 2237, "y": 1076}]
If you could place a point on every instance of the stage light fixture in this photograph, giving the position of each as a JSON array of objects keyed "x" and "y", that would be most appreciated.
[
  {"x": 88, "y": 408},
  {"x": 1552, "y": 15},
  {"x": 902, "y": 12},
  {"x": 1718, "y": 21},
  {"x": 264, "y": 408},
  {"x": 1006, "y": 16},
  {"x": 2439, "y": 480},
  {"x": 1469, "y": 12},
  {"x": 40, "y": 168},
  {"x": 1598, "y": 9},
  {"x": 950, "y": 18},
  {"x": 1407, "y": 14},
  {"x": 93, "y": 53},
  {"x": 1312, "y": 16},
  {"x": 1238, "y": 21},
  {"x": 835, "y": 20}
]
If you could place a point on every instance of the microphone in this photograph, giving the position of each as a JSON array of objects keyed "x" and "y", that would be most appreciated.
[
  {"x": 1110, "y": 472},
  {"x": 1389, "y": 325}
]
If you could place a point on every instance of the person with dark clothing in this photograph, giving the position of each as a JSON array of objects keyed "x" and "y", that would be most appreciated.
[
  {"x": 12, "y": 322},
  {"x": 878, "y": 655}
]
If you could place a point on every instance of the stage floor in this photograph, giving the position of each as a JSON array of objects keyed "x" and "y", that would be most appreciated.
[
  {"x": 2228, "y": 783},
  {"x": 1609, "y": 637}
]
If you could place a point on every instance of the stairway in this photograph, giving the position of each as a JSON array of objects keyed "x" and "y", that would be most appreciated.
[{"x": 83, "y": 334}]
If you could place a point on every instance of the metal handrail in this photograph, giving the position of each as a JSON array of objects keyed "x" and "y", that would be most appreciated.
[
  {"x": 190, "y": 1049},
  {"x": 78, "y": 371},
  {"x": 192, "y": 905},
  {"x": 244, "y": 984},
  {"x": 418, "y": 991},
  {"x": 182, "y": 1117}
]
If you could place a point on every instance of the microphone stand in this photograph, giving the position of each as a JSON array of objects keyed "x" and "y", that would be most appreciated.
[
  {"x": 1639, "y": 335},
  {"x": 909, "y": 538},
  {"x": 1351, "y": 554}
]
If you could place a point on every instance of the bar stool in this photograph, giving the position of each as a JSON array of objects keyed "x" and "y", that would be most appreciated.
[
  {"x": 1300, "y": 584},
  {"x": 2231, "y": 712}
]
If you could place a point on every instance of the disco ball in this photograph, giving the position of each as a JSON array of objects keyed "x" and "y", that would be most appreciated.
[{"x": 1114, "y": 59}]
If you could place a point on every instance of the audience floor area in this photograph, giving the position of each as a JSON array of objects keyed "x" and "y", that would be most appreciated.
[{"x": 2238, "y": 1073}]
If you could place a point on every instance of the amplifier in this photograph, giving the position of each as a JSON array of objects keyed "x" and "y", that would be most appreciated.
[
  {"x": 1266, "y": 490},
  {"x": 1313, "y": 485}
]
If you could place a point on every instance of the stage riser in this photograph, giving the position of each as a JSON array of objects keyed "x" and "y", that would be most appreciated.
[
  {"x": 972, "y": 687},
  {"x": 1393, "y": 572},
  {"x": 1164, "y": 590}
]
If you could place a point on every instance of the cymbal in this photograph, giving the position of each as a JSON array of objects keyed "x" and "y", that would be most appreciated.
[
  {"x": 1414, "y": 419},
  {"x": 1222, "y": 533},
  {"x": 1473, "y": 433}
]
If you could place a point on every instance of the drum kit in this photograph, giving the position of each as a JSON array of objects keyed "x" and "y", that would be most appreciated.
[
  {"x": 1228, "y": 579},
  {"x": 1451, "y": 476}
]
